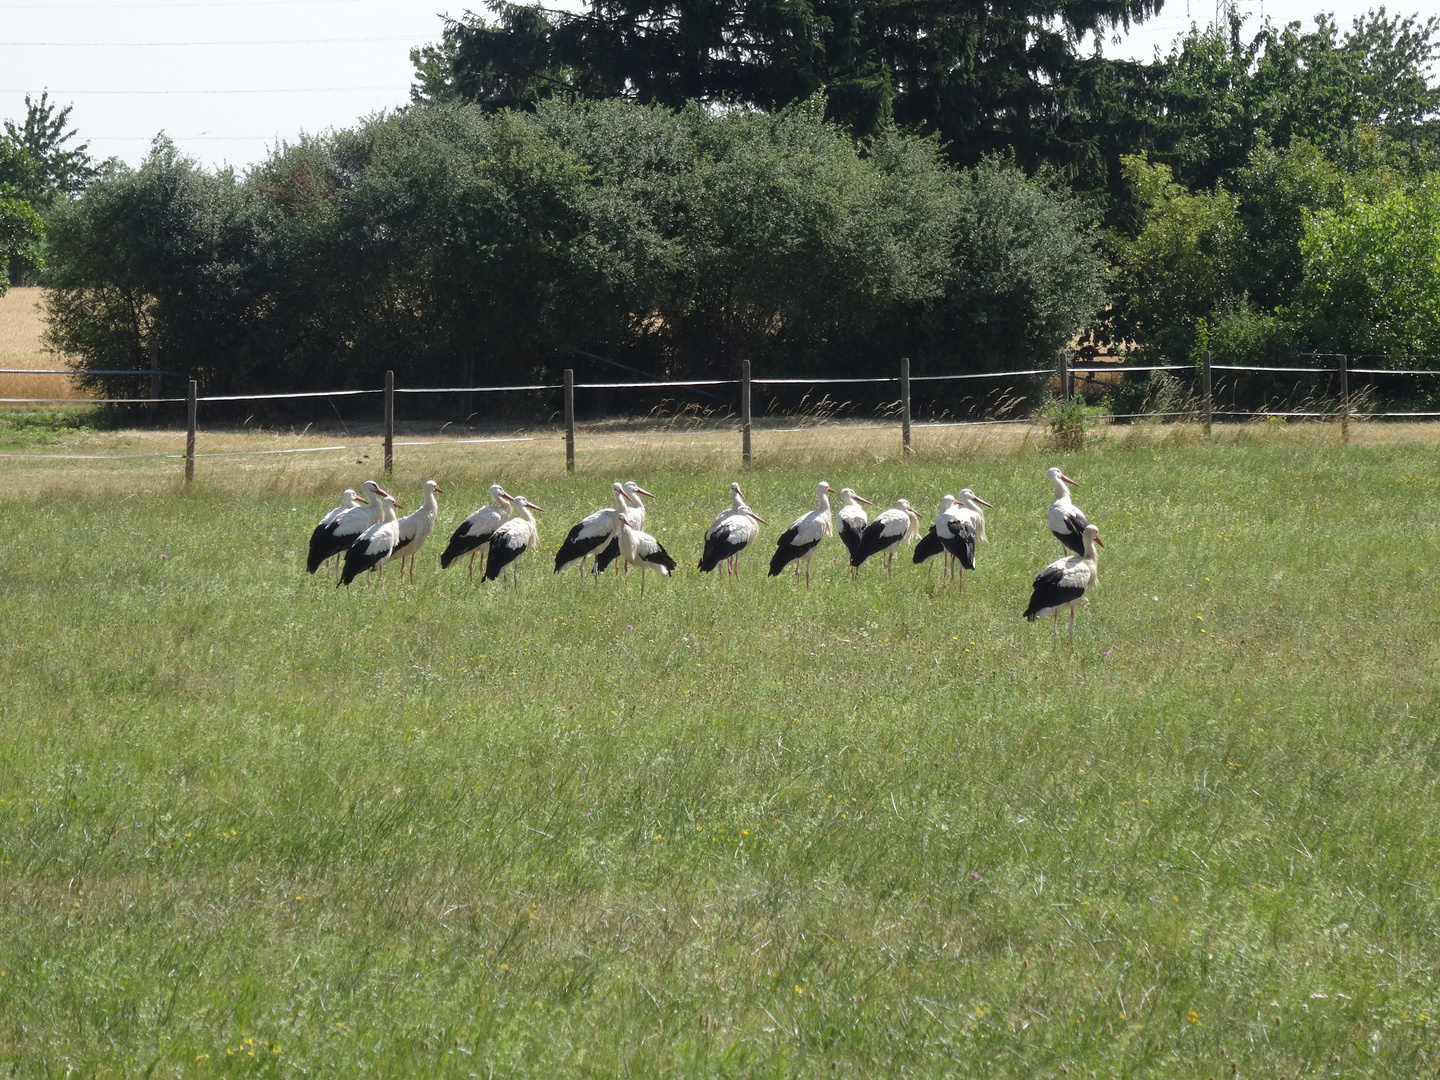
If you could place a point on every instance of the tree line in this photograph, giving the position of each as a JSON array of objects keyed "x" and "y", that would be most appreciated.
[{"x": 820, "y": 187}]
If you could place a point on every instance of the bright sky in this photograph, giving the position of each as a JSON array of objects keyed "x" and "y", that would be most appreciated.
[{"x": 228, "y": 78}]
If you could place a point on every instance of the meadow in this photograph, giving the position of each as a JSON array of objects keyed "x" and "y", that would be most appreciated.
[{"x": 251, "y": 824}]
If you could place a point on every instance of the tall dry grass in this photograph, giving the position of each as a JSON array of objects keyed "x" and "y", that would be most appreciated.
[{"x": 22, "y": 322}]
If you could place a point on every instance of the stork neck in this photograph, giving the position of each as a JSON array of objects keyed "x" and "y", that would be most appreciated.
[
  {"x": 823, "y": 503},
  {"x": 1062, "y": 490}
]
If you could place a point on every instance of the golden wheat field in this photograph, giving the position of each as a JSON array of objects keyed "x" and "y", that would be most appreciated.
[{"x": 22, "y": 322}]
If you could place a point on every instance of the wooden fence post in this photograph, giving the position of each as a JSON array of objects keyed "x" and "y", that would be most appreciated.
[
  {"x": 190, "y": 432},
  {"x": 905, "y": 450},
  {"x": 1344, "y": 398},
  {"x": 745, "y": 412},
  {"x": 389, "y": 422},
  {"x": 1064, "y": 376},
  {"x": 1209, "y": 400},
  {"x": 154, "y": 377},
  {"x": 569, "y": 420}
]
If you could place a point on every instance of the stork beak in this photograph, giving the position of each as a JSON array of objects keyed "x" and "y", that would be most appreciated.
[
  {"x": 440, "y": 491},
  {"x": 507, "y": 496},
  {"x": 829, "y": 491},
  {"x": 1099, "y": 542},
  {"x": 381, "y": 491},
  {"x": 361, "y": 501},
  {"x": 758, "y": 518},
  {"x": 982, "y": 502},
  {"x": 532, "y": 506},
  {"x": 399, "y": 507},
  {"x": 861, "y": 498},
  {"x": 641, "y": 491},
  {"x": 1068, "y": 480}
]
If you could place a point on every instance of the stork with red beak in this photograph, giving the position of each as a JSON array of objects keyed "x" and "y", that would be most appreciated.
[{"x": 1066, "y": 520}]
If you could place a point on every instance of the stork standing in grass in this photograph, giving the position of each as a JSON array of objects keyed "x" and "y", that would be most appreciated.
[
  {"x": 891, "y": 528},
  {"x": 339, "y": 533},
  {"x": 348, "y": 501},
  {"x": 634, "y": 513},
  {"x": 1066, "y": 520},
  {"x": 798, "y": 542},
  {"x": 415, "y": 528},
  {"x": 374, "y": 547},
  {"x": 731, "y": 532},
  {"x": 475, "y": 531},
  {"x": 512, "y": 539},
  {"x": 641, "y": 549},
  {"x": 958, "y": 525},
  {"x": 593, "y": 532},
  {"x": 1064, "y": 582},
  {"x": 852, "y": 521}
]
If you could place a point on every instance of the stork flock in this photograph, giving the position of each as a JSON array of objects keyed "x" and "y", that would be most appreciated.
[{"x": 364, "y": 533}]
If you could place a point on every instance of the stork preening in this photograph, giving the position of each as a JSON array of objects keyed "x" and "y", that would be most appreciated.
[
  {"x": 593, "y": 532},
  {"x": 852, "y": 522},
  {"x": 798, "y": 542},
  {"x": 415, "y": 528},
  {"x": 338, "y": 531},
  {"x": 1066, "y": 520},
  {"x": 891, "y": 528},
  {"x": 731, "y": 532},
  {"x": 958, "y": 525},
  {"x": 634, "y": 513},
  {"x": 1064, "y": 582},
  {"x": 643, "y": 550},
  {"x": 512, "y": 539},
  {"x": 374, "y": 547},
  {"x": 475, "y": 531},
  {"x": 348, "y": 501}
]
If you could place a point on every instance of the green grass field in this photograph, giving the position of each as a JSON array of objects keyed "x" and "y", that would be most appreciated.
[{"x": 250, "y": 824}]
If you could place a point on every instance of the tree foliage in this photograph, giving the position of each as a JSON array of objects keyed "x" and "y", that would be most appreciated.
[{"x": 451, "y": 243}]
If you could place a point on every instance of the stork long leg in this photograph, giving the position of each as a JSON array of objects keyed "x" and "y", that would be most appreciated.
[
  {"x": 1072, "y": 626},
  {"x": 642, "y": 579},
  {"x": 807, "y": 571},
  {"x": 472, "y": 563},
  {"x": 1055, "y": 629}
]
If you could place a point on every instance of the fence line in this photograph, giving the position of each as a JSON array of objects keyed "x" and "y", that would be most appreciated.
[{"x": 1066, "y": 372}]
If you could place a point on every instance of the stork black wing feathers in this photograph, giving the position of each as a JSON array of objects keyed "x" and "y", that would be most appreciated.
[
  {"x": 929, "y": 547},
  {"x": 1051, "y": 592}
]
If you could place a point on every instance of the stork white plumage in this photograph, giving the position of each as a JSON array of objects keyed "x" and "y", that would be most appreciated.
[
  {"x": 641, "y": 549},
  {"x": 373, "y": 548},
  {"x": 634, "y": 513},
  {"x": 798, "y": 542},
  {"x": 475, "y": 531},
  {"x": 333, "y": 538},
  {"x": 852, "y": 521},
  {"x": 593, "y": 532},
  {"x": 1064, "y": 582},
  {"x": 731, "y": 532},
  {"x": 512, "y": 539},
  {"x": 415, "y": 528},
  {"x": 1066, "y": 520},
  {"x": 348, "y": 501},
  {"x": 958, "y": 525},
  {"x": 891, "y": 528}
]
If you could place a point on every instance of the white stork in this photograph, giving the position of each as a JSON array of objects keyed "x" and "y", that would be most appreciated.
[
  {"x": 731, "y": 532},
  {"x": 635, "y": 514},
  {"x": 1066, "y": 520},
  {"x": 958, "y": 525},
  {"x": 373, "y": 548},
  {"x": 799, "y": 541},
  {"x": 852, "y": 521},
  {"x": 1064, "y": 582},
  {"x": 891, "y": 528},
  {"x": 415, "y": 528},
  {"x": 475, "y": 531},
  {"x": 642, "y": 549},
  {"x": 512, "y": 539},
  {"x": 333, "y": 538},
  {"x": 348, "y": 501},
  {"x": 593, "y": 532}
]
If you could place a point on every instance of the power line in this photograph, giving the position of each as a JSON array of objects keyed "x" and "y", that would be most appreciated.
[
  {"x": 277, "y": 90},
  {"x": 192, "y": 44}
]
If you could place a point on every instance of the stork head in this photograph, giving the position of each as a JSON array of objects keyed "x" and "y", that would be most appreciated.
[
  {"x": 967, "y": 497},
  {"x": 1092, "y": 532},
  {"x": 757, "y": 517},
  {"x": 904, "y": 504},
  {"x": 1058, "y": 478},
  {"x": 822, "y": 489},
  {"x": 735, "y": 488},
  {"x": 947, "y": 501},
  {"x": 348, "y": 498},
  {"x": 432, "y": 486},
  {"x": 848, "y": 497},
  {"x": 525, "y": 502},
  {"x": 498, "y": 493},
  {"x": 632, "y": 489}
]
